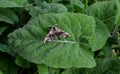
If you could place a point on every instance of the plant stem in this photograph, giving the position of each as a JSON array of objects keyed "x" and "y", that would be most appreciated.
[
  {"x": 86, "y": 3},
  {"x": 115, "y": 30}
]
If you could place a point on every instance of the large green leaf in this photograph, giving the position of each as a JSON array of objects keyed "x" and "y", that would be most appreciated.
[
  {"x": 8, "y": 16},
  {"x": 105, "y": 11},
  {"x": 118, "y": 12},
  {"x": 28, "y": 41},
  {"x": 100, "y": 37}
]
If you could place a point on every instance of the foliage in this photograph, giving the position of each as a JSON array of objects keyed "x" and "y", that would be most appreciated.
[
  {"x": 31, "y": 38},
  {"x": 92, "y": 47}
]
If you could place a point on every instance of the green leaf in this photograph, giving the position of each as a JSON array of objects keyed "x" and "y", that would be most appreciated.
[
  {"x": 100, "y": 37},
  {"x": 5, "y": 48},
  {"x": 7, "y": 65},
  {"x": 46, "y": 8},
  {"x": 106, "y": 50},
  {"x": 2, "y": 29},
  {"x": 20, "y": 2},
  {"x": 8, "y": 3},
  {"x": 8, "y": 16},
  {"x": 56, "y": 1},
  {"x": 6, "y": 19},
  {"x": 77, "y": 3},
  {"x": 54, "y": 70},
  {"x": 22, "y": 62},
  {"x": 73, "y": 5},
  {"x": 71, "y": 71},
  {"x": 1, "y": 72},
  {"x": 13, "y": 3},
  {"x": 105, "y": 66},
  {"x": 42, "y": 69},
  {"x": 49, "y": 1},
  {"x": 53, "y": 7},
  {"x": 118, "y": 12},
  {"x": 104, "y": 11},
  {"x": 33, "y": 10},
  {"x": 28, "y": 41}
]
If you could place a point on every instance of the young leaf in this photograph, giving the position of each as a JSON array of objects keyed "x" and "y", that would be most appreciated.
[
  {"x": 104, "y": 11},
  {"x": 28, "y": 41}
]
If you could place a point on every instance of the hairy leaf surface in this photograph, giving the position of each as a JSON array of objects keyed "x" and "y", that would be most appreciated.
[
  {"x": 28, "y": 41},
  {"x": 45, "y": 8},
  {"x": 100, "y": 37},
  {"x": 13, "y": 3},
  {"x": 104, "y": 11},
  {"x": 77, "y": 3},
  {"x": 105, "y": 66},
  {"x": 20, "y": 2},
  {"x": 8, "y": 3}
]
